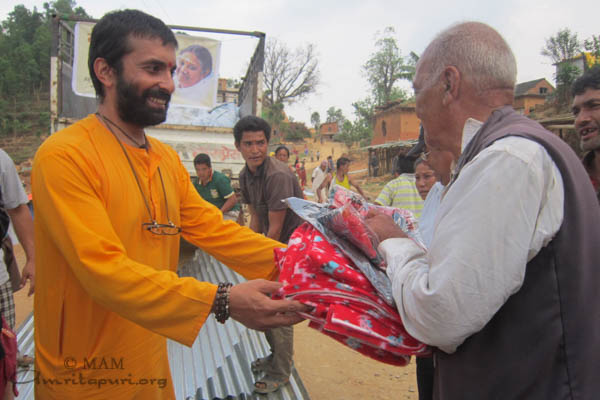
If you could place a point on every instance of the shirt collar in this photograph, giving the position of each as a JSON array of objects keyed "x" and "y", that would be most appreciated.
[
  {"x": 260, "y": 170},
  {"x": 209, "y": 178},
  {"x": 470, "y": 129}
]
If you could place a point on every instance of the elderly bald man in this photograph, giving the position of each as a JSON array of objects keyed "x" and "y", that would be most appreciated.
[{"x": 507, "y": 292}]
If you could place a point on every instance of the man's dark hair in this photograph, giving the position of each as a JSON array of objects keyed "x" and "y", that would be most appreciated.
[
  {"x": 202, "y": 54},
  {"x": 589, "y": 80},
  {"x": 341, "y": 162},
  {"x": 405, "y": 165},
  {"x": 282, "y": 147},
  {"x": 202, "y": 159},
  {"x": 250, "y": 123},
  {"x": 110, "y": 39}
]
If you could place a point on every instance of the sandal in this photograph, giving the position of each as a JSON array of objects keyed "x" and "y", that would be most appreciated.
[
  {"x": 268, "y": 385},
  {"x": 260, "y": 364}
]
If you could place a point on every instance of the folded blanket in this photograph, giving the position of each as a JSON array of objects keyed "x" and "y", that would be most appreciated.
[{"x": 345, "y": 304}]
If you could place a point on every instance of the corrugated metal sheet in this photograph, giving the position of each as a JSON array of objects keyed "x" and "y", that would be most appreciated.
[
  {"x": 217, "y": 366},
  {"x": 26, "y": 346}
]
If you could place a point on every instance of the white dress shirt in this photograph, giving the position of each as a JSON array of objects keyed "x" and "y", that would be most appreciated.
[
  {"x": 430, "y": 208},
  {"x": 505, "y": 206}
]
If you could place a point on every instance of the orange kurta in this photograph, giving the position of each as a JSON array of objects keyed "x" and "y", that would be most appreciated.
[{"x": 107, "y": 294}]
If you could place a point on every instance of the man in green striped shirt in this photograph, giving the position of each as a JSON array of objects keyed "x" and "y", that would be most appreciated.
[{"x": 402, "y": 192}]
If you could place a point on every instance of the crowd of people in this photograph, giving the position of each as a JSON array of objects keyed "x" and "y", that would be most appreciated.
[{"x": 504, "y": 290}]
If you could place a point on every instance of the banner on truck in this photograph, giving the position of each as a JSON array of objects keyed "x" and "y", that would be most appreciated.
[{"x": 196, "y": 76}]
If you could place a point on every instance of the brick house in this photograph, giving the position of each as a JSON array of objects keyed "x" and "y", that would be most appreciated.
[
  {"x": 529, "y": 95},
  {"x": 328, "y": 129},
  {"x": 395, "y": 122}
]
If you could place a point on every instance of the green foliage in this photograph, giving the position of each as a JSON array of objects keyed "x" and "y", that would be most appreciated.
[
  {"x": 315, "y": 120},
  {"x": 565, "y": 76},
  {"x": 387, "y": 67},
  {"x": 592, "y": 45},
  {"x": 335, "y": 115},
  {"x": 25, "y": 40},
  {"x": 562, "y": 46},
  {"x": 234, "y": 83},
  {"x": 295, "y": 131},
  {"x": 274, "y": 115}
]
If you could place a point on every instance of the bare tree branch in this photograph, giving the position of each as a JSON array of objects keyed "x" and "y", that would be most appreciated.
[{"x": 290, "y": 76}]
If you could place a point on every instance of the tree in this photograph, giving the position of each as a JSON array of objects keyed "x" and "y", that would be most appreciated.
[
  {"x": 566, "y": 73},
  {"x": 386, "y": 67},
  {"x": 274, "y": 115},
  {"x": 592, "y": 45},
  {"x": 562, "y": 46},
  {"x": 315, "y": 120},
  {"x": 25, "y": 66},
  {"x": 295, "y": 131},
  {"x": 289, "y": 76},
  {"x": 335, "y": 115}
]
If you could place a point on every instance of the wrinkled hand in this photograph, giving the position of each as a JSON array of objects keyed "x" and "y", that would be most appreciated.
[
  {"x": 383, "y": 226},
  {"x": 250, "y": 304},
  {"x": 28, "y": 273}
]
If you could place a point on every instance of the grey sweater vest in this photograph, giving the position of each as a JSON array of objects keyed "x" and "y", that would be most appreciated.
[{"x": 544, "y": 342}]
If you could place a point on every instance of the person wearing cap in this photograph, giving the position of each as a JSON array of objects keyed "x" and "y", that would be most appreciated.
[{"x": 340, "y": 178}]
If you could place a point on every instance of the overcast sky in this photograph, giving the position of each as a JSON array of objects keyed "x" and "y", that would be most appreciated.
[{"x": 344, "y": 32}]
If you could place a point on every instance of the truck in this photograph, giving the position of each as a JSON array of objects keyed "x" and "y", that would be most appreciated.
[{"x": 189, "y": 129}]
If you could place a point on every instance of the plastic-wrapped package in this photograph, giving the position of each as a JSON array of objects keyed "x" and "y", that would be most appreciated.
[
  {"x": 345, "y": 305},
  {"x": 340, "y": 196},
  {"x": 347, "y": 222},
  {"x": 314, "y": 213},
  {"x": 342, "y": 222}
]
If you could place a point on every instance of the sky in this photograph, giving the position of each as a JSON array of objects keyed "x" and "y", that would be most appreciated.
[{"x": 344, "y": 32}]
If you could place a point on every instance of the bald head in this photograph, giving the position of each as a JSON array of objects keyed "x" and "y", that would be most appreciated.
[
  {"x": 467, "y": 71},
  {"x": 479, "y": 52}
]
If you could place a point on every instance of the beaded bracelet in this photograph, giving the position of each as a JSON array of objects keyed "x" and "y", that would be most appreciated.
[{"x": 222, "y": 302}]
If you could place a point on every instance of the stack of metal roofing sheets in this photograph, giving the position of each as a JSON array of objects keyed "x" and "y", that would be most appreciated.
[{"x": 217, "y": 366}]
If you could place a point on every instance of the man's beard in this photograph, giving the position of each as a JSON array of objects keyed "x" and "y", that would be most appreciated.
[{"x": 134, "y": 108}]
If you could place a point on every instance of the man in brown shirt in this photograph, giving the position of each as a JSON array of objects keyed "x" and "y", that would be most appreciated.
[
  {"x": 264, "y": 183},
  {"x": 586, "y": 109}
]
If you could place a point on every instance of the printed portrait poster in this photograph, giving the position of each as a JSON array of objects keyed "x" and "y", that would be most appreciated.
[{"x": 196, "y": 76}]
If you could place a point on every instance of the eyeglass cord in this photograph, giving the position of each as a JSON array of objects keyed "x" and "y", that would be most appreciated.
[
  {"x": 141, "y": 146},
  {"x": 137, "y": 180}
]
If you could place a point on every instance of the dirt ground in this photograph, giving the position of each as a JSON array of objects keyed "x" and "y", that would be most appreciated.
[{"x": 329, "y": 370}]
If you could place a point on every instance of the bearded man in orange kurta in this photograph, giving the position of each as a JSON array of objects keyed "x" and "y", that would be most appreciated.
[{"x": 111, "y": 205}]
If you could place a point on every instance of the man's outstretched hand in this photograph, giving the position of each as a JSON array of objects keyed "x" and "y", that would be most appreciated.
[{"x": 250, "y": 304}]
